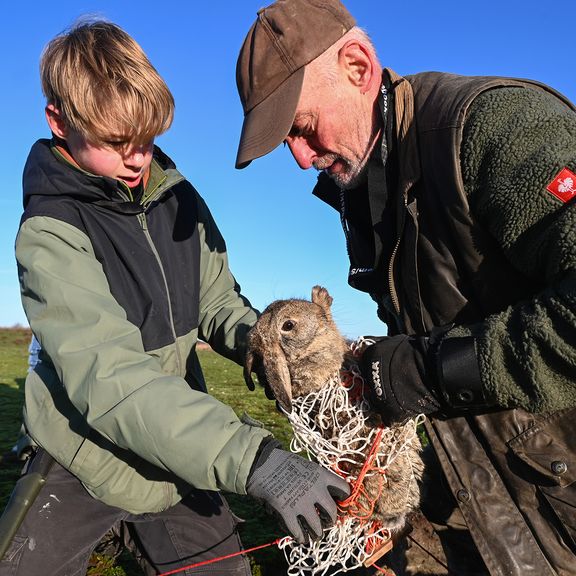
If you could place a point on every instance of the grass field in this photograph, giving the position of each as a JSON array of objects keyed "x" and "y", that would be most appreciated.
[{"x": 225, "y": 382}]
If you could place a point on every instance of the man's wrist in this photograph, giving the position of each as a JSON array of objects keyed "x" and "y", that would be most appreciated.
[{"x": 459, "y": 380}]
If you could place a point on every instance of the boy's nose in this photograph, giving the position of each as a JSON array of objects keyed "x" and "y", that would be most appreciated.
[
  {"x": 302, "y": 152},
  {"x": 136, "y": 156}
]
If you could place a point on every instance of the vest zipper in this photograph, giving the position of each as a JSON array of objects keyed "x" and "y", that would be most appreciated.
[
  {"x": 384, "y": 105},
  {"x": 391, "y": 286}
]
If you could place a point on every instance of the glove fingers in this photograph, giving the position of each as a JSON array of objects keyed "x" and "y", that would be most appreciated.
[
  {"x": 305, "y": 527},
  {"x": 311, "y": 527},
  {"x": 338, "y": 487},
  {"x": 328, "y": 513},
  {"x": 293, "y": 527},
  {"x": 339, "y": 492}
]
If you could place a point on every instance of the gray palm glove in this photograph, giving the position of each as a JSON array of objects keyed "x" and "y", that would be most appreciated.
[{"x": 299, "y": 492}]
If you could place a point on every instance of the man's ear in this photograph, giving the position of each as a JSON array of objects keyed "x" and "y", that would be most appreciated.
[
  {"x": 359, "y": 65},
  {"x": 56, "y": 121}
]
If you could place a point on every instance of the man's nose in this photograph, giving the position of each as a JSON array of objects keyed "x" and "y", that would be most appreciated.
[{"x": 302, "y": 152}]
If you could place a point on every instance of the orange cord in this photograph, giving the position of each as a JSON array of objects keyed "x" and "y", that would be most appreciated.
[
  {"x": 359, "y": 505},
  {"x": 352, "y": 504}
]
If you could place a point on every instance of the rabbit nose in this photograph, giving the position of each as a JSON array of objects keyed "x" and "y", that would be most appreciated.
[{"x": 283, "y": 402}]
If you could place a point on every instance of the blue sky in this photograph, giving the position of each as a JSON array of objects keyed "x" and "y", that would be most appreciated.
[{"x": 281, "y": 240}]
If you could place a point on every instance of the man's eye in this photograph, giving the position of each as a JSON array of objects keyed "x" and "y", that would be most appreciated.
[{"x": 299, "y": 131}]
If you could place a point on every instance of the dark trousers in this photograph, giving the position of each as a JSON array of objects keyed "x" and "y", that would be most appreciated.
[{"x": 65, "y": 524}]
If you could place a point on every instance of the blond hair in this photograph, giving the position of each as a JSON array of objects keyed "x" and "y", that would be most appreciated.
[{"x": 104, "y": 85}]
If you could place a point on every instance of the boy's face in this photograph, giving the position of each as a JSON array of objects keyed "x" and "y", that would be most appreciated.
[{"x": 115, "y": 159}]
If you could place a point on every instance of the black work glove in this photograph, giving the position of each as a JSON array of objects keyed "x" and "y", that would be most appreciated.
[
  {"x": 401, "y": 375},
  {"x": 301, "y": 493},
  {"x": 411, "y": 375}
]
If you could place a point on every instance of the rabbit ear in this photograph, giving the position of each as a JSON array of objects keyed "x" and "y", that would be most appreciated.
[
  {"x": 321, "y": 297},
  {"x": 277, "y": 376}
]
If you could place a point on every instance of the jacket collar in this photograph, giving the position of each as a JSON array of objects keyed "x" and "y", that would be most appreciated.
[
  {"x": 49, "y": 171},
  {"x": 367, "y": 220}
]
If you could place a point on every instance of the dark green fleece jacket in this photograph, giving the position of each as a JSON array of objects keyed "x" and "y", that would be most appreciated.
[{"x": 515, "y": 143}]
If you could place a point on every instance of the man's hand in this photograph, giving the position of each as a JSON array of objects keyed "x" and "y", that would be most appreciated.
[
  {"x": 301, "y": 493},
  {"x": 401, "y": 377}
]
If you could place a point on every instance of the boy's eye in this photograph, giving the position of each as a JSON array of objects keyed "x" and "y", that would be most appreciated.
[{"x": 116, "y": 144}]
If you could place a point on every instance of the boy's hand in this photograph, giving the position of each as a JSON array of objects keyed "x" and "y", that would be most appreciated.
[{"x": 301, "y": 493}]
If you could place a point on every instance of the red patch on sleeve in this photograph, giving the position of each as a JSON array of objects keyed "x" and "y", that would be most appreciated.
[{"x": 564, "y": 185}]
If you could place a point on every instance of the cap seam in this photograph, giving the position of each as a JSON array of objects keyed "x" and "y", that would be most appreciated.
[
  {"x": 283, "y": 54},
  {"x": 337, "y": 16}
]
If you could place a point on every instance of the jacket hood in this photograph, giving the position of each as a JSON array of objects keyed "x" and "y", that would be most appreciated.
[{"x": 47, "y": 175}]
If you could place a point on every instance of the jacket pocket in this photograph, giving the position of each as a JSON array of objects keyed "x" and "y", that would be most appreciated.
[{"x": 548, "y": 451}]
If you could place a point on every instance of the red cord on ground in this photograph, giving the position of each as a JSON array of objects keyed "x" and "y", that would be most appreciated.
[{"x": 213, "y": 560}]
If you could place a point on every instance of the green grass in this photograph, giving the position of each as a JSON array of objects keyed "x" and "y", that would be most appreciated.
[
  {"x": 225, "y": 382},
  {"x": 13, "y": 366}
]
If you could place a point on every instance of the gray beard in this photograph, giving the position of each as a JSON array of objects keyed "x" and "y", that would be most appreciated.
[
  {"x": 358, "y": 179},
  {"x": 344, "y": 182}
]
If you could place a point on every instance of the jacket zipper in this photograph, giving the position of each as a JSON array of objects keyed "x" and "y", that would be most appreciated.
[{"x": 144, "y": 224}]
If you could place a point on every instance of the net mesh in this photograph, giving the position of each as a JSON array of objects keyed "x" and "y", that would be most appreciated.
[{"x": 335, "y": 427}]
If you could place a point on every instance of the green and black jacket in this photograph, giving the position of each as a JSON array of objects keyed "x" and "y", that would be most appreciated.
[
  {"x": 118, "y": 292},
  {"x": 473, "y": 238}
]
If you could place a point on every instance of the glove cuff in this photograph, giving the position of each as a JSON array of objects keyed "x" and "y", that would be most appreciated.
[
  {"x": 459, "y": 374},
  {"x": 262, "y": 454}
]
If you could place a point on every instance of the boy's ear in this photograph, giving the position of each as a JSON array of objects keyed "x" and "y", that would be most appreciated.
[
  {"x": 56, "y": 121},
  {"x": 358, "y": 64}
]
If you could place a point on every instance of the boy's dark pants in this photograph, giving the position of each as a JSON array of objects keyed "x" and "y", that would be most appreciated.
[{"x": 65, "y": 524}]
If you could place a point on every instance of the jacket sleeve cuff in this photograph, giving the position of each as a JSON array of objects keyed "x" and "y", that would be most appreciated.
[{"x": 459, "y": 374}]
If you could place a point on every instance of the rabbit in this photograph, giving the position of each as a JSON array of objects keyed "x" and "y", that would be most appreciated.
[{"x": 297, "y": 347}]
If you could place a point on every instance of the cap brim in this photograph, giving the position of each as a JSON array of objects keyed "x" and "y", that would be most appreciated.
[{"x": 268, "y": 123}]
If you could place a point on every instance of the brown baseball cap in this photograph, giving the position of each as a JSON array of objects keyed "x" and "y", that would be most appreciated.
[{"x": 286, "y": 36}]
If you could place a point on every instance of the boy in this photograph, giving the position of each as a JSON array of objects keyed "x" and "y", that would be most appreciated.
[{"x": 121, "y": 269}]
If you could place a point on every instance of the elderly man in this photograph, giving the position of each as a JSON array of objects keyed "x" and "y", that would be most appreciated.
[{"x": 457, "y": 199}]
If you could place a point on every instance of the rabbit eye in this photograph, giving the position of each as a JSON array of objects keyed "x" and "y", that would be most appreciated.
[{"x": 288, "y": 325}]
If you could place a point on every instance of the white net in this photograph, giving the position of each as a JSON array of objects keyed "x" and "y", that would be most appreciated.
[{"x": 335, "y": 427}]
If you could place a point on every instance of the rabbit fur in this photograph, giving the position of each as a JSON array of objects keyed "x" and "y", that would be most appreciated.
[{"x": 296, "y": 346}]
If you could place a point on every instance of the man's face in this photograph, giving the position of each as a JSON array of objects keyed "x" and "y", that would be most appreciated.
[
  {"x": 116, "y": 159},
  {"x": 333, "y": 130}
]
